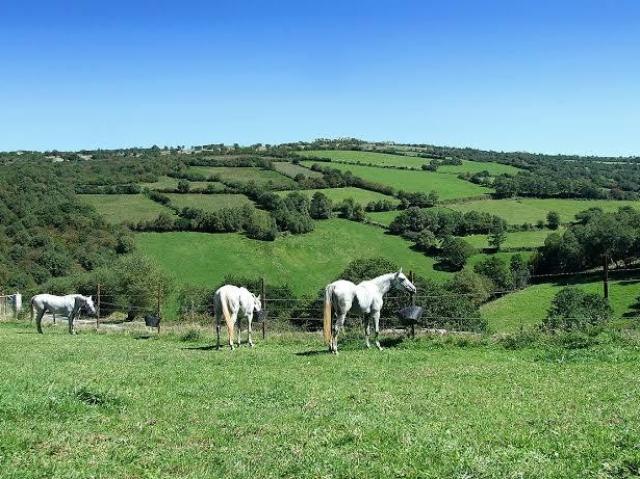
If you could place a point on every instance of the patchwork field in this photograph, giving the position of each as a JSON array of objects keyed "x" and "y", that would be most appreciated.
[
  {"x": 292, "y": 170},
  {"x": 125, "y": 208},
  {"x": 167, "y": 182},
  {"x": 261, "y": 176},
  {"x": 384, "y": 159},
  {"x": 447, "y": 186},
  {"x": 530, "y": 210},
  {"x": 529, "y": 306},
  {"x": 173, "y": 409},
  {"x": 208, "y": 202},
  {"x": 337, "y": 195},
  {"x": 306, "y": 262}
]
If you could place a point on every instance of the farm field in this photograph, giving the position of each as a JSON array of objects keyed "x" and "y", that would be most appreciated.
[
  {"x": 447, "y": 186},
  {"x": 208, "y": 202},
  {"x": 384, "y": 159},
  {"x": 121, "y": 208},
  {"x": 173, "y": 409},
  {"x": 244, "y": 174},
  {"x": 291, "y": 170},
  {"x": 306, "y": 262},
  {"x": 530, "y": 210},
  {"x": 516, "y": 239},
  {"x": 167, "y": 182},
  {"x": 382, "y": 217},
  {"x": 529, "y": 306},
  {"x": 337, "y": 195}
]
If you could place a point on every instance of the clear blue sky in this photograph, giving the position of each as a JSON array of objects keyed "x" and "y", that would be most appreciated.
[{"x": 546, "y": 76}]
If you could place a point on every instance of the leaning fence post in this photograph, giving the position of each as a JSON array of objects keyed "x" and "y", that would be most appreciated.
[
  {"x": 98, "y": 309},
  {"x": 413, "y": 303},
  {"x": 264, "y": 307}
]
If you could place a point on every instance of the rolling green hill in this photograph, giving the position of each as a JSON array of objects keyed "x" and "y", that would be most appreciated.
[
  {"x": 447, "y": 186},
  {"x": 305, "y": 262}
]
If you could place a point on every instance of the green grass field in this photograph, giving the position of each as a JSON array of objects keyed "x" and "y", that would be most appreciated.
[
  {"x": 517, "y": 239},
  {"x": 337, "y": 195},
  {"x": 121, "y": 208},
  {"x": 208, "y": 202},
  {"x": 261, "y": 176},
  {"x": 116, "y": 406},
  {"x": 447, "y": 186},
  {"x": 530, "y": 210},
  {"x": 306, "y": 262},
  {"x": 529, "y": 306},
  {"x": 164, "y": 182},
  {"x": 291, "y": 170},
  {"x": 384, "y": 159}
]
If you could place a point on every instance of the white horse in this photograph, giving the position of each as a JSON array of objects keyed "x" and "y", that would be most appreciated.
[
  {"x": 230, "y": 301},
  {"x": 340, "y": 296},
  {"x": 69, "y": 306}
]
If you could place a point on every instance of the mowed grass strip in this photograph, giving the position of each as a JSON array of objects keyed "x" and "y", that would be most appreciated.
[
  {"x": 108, "y": 405},
  {"x": 292, "y": 170},
  {"x": 305, "y": 262},
  {"x": 385, "y": 159},
  {"x": 528, "y": 307},
  {"x": 531, "y": 210},
  {"x": 208, "y": 202},
  {"x": 262, "y": 177},
  {"x": 338, "y": 195},
  {"x": 447, "y": 186},
  {"x": 125, "y": 208}
]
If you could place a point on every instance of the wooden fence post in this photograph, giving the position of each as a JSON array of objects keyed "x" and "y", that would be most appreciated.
[
  {"x": 263, "y": 294},
  {"x": 606, "y": 276},
  {"x": 158, "y": 309},
  {"x": 98, "y": 308}
]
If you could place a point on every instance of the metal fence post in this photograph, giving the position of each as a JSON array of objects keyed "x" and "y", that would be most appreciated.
[
  {"x": 264, "y": 307},
  {"x": 413, "y": 303},
  {"x": 158, "y": 309}
]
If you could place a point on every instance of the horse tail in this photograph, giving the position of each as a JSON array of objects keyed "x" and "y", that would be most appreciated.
[
  {"x": 227, "y": 316},
  {"x": 326, "y": 323}
]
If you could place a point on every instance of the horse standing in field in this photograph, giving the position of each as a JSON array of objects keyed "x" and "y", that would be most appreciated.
[
  {"x": 340, "y": 296},
  {"x": 230, "y": 301},
  {"x": 69, "y": 306}
]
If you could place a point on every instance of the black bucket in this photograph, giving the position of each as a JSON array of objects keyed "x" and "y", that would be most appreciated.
[
  {"x": 410, "y": 314},
  {"x": 152, "y": 320}
]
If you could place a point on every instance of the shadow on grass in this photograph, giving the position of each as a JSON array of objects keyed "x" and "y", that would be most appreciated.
[
  {"x": 354, "y": 345},
  {"x": 211, "y": 347}
]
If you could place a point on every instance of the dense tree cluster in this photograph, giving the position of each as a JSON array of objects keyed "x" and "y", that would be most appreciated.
[{"x": 444, "y": 222}]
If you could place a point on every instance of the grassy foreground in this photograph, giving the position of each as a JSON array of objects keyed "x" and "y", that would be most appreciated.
[{"x": 111, "y": 405}]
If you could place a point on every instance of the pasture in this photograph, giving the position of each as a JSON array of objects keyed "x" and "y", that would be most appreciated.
[
  {"x": 529, "y": 306},
  {"x": 260, "y": 176},
  {"x": 385, "y": 159},
  {"x": 531, "y": 210},
  {"x": 338, "y": 195},
  {"x": 208, "y": 202},
  {"x": 306, "y": 262},
  {"x": 125, "y": 208},
  {"x": 447, "y": 186},
  {"x": 517, "y": 239},
  {"x": 292, "y": 170},
  {"x": 116, "y": 405}
]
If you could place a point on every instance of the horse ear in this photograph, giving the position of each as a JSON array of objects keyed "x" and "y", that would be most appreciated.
[
  {"x": 258, "y": 297},
  {"x": 400, "y": 272}
]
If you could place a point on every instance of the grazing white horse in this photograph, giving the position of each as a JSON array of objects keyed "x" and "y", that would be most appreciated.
[
  {"x": 340, "y": 296},
  {"x": 229, "y": 302},
  {"x": 69, "y": 306}
]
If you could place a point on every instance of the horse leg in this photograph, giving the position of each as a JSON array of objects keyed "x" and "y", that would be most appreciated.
[
  {"x": 230, "y": 328},
  {"x": 336, "y": 329},
  {"x": 54, "y": 318},
  {"x": 238, "y": 325},
  {"x": 39, "y": 316},
  {"x": 367, "y": 330},
  {"x": 72, "y": 329},
  {"x": 250, "y": 319},
  {"x": 217, "y": 331},
  {"x": 376, "y": 325}
]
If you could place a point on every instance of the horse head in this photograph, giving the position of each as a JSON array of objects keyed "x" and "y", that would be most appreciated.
[
  {"x": 400, "y": 281},
  {"x": 257, "y": 303},
  {"x": 88, "y": 305}
]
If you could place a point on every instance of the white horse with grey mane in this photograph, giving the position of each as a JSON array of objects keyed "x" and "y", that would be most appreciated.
[
  {"x": 232, "y": 303},
  {"x": 341, "y": 295},
  {"x": 69, "y": 306}
]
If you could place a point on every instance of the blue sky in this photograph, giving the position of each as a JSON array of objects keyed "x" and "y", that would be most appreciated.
[{"x": 545, "y": 76}]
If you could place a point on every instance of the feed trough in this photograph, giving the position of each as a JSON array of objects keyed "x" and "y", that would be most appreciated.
[{"x": 410, "y": 314}]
